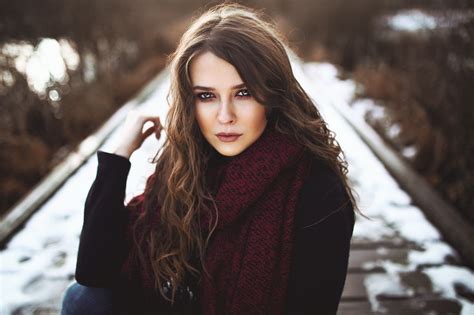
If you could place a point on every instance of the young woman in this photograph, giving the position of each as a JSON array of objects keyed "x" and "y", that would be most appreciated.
[{"x": 248, "y": 211}]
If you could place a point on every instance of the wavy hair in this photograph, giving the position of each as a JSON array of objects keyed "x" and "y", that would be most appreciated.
[{"x": 245, "y": 38}]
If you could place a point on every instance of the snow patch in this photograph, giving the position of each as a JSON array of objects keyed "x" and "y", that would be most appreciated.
[
  {"x": 412, "y": 21},
  {"x": 445, "y": 277},
  {"x": 433, "y": 253},
  {"x": 384, "y": 285}
]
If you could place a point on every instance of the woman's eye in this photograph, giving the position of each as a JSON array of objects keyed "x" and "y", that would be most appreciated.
[
  {"x": 204, "y": 96},
  {"x": 244, "y": 93}
]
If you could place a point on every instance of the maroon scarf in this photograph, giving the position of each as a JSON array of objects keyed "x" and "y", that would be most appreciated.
[{"x": 249, "y": 254}]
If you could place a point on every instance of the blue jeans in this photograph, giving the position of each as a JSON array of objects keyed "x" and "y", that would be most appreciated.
[{"x": 81, "y": 300}]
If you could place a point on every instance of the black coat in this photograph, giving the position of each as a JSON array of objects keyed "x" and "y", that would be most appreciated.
[{"x": 323, "y": 231}]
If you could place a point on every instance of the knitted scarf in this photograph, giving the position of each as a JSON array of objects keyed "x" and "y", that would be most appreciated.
[{"x": 249, "y": 253}]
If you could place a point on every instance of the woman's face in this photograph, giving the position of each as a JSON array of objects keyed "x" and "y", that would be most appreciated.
[{"x": 224, "y": 105}]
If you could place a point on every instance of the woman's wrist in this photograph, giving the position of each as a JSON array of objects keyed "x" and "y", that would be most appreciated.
[{"x": 126, "y": 153}]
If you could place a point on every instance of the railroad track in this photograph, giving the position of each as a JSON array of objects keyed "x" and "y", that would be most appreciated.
[{"x": 395, "y": 262}]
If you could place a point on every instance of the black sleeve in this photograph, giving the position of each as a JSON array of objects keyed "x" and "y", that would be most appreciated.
[
  {"x": 324, "y": 224},
  {"x": 102, "y": 241}
]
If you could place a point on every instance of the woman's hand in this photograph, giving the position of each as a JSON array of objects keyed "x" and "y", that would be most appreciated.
[{"x": 132, "y": 135}]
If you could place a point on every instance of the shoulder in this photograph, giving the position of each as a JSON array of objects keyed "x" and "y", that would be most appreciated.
[{"x": 323, "y": 195}]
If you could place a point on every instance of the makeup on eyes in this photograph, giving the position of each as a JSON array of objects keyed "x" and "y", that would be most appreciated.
[{"x": 198, "y": 95}]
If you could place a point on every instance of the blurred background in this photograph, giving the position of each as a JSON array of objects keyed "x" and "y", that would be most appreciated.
[{"x": 66, "y": 66}]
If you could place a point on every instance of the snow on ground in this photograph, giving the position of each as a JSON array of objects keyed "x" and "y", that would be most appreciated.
[
  {"x": 383, "y": 200},
  {"x": 443, "y": 277},
  {"x": 39, "y": 262}
]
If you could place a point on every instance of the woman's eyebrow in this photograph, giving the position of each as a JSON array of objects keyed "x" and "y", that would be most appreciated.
[{"x": 205, "y": 88}]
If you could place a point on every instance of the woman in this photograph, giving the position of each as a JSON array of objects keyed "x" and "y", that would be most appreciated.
[{"x": 248, "y": 211}]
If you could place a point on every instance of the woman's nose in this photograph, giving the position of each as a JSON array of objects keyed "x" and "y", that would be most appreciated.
[{"x": 226, "y": 112}]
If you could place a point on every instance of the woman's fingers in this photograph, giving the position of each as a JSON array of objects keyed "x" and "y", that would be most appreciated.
[
  {"x": 155, "y": 128},
  {"x": 135, "y": 130},
  {"x": 148, "y": 132},
  {"x": 154, "y": 119}
]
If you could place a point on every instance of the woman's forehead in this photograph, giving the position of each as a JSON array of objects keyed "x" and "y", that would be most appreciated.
[{"x": 211, "y": 72}]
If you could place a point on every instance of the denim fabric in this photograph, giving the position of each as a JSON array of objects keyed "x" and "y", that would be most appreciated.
[{"x": 81, "y": 300}]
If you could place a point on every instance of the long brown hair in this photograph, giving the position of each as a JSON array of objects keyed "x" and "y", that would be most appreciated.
[{"x": 247, "y": 40}]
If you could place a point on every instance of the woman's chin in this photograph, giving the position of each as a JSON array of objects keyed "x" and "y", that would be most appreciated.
[{"x": 229, "y": 152}]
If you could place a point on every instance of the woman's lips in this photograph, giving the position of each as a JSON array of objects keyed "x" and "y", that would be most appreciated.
[{"x": 228, "y": 138}]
